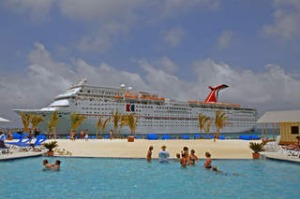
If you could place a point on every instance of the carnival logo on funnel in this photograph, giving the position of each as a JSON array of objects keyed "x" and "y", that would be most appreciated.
[{"x": 129, "y": 107}]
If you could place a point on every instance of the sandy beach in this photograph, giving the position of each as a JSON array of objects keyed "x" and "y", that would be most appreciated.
[{"x": 120, "y": 148}]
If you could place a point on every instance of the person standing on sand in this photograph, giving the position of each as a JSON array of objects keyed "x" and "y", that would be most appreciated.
[
  {"x": 86, "y": 136},
  {"x": 149, "y": 154},
  {"x": 163, "y": 155},
  {"x": 111, "y": 134}
]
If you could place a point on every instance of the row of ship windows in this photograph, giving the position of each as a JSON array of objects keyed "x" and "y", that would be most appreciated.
[
  {"x": 163, "y": 122},
  {"x": 101, "y": 92}
]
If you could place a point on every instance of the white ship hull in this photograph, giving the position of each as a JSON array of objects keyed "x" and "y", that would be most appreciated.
[{"x": 155, "y": 115}]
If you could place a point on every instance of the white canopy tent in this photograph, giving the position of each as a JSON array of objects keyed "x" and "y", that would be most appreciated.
[{"x": 3, "y": 120}]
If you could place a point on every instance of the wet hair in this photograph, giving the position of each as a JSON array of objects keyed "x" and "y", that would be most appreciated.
[
  {"x": 207, "y": 154},
  {"x": 178, "y": 155},
  {"x": 214, "y": 168},
  {"x": 185, "y": 148},
  {"x": 57, "y": 162},
  {"x": 45, "y": 161}
]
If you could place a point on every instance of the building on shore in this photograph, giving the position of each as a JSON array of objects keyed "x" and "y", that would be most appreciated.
[{"x": 288, "y": 123}]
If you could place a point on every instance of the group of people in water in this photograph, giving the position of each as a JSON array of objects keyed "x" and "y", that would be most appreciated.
[
  {"x": 54, "y": 167},
  {"x": 185, "y": 158}
]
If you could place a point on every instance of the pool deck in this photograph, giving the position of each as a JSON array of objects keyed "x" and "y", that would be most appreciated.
[
  {"x": 20, "y": 154},
  {"x": 281, "y": 157}
]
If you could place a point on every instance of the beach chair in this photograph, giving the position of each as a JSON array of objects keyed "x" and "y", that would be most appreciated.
[
  {"x": 27, "y": 146},
  {"x": 165, "y": 137},
  {"x": 152, "y": 136},
  {"x": 222, "y": 137},
  {"x": 197, "y": 136},
  {"x": 274, "y": 146},
  {"x": 185, "y": 137}
]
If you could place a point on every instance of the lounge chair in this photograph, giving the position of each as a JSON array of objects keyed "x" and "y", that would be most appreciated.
[
  {"x": 165, "y": 137},
  {"x": 185, "y": 137},
  {"x": 152, "y": 136},
  {"x": 28, "y": 145},
  {"x": 273, "y": 146},
  {"x": 197, "y": 136}
]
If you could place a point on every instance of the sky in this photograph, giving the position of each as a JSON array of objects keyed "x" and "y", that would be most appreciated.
[{"x": 174, "y": 48}]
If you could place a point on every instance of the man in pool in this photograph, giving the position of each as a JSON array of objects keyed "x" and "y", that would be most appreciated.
[
  {"x": 56, "y": 166},
  {"x": 163, "y": 155},
  {"x": 47, "y": 165}
]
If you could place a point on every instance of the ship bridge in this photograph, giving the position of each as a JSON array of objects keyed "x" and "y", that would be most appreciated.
[{"x": 69, "y": 93}]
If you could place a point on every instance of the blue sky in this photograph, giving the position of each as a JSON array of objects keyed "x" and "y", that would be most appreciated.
[{"x": 175, "y": 48}]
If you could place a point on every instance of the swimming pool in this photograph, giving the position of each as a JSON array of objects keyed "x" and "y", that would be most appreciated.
[{"x": 135, "y": 178}]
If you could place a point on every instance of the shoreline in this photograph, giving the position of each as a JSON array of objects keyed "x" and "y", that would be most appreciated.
[{"x": 120, "y": 148}]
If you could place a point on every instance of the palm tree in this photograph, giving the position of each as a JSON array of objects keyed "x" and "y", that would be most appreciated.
[
  {"x": 132, "y": 123},
  {"x": 35, "y": 120},
  {"x": 221, "y": 121},
  {"x": 207, "y": 125},
  {"x": 101, "y": 125},
  {"x": 202, "y": 121},
  {"x": 123, "y": 122},
  {"x": 53, "y": 123},
  {"x": 26, "y": 119},
  {"x": 76, "y": 121},
  {"x": 116, "y": 117}
]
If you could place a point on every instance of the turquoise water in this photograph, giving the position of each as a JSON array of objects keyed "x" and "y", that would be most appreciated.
[{"x": 135, "y": 178}]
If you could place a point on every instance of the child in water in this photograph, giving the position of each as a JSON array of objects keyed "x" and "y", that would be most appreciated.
[
  {"x": 149, "y": 153},
  {"x": 208, "y": 161}
]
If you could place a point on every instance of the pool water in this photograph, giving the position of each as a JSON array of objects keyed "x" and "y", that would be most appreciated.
[{"x": 135, "y": 178}]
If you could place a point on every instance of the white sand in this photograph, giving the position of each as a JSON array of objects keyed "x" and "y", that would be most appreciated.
[{"x": 221, "y": 149}]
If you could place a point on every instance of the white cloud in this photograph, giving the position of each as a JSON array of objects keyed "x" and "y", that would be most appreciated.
[
  {"x": 273, "y": 89},
  {"x": 37, "y": 10},
  {"x": 166, "y": 64},
  {"x": 286, "y": 19},
  {"x": 103, "y": 38},
  {"x": 225, "y": 39},
  {"x": 174, "y": 36},
  {"x": 170, "y": 8}
]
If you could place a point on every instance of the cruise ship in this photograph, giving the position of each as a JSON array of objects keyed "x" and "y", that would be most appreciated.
[{"x": 156, "y": 114}]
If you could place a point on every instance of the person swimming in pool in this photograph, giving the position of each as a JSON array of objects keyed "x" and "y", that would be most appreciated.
[
  {"x": 183, "y": 160},
  {"x": 215, "y": 169},
  {"x": 163, "y": 155},
  {"x": 56, "y": 166},
  {"x": 46, "y": 164},
  {"x": 149, "y": 153},
  {"x": 208, "y": 161},
  {"x": 193, "y": 158}
]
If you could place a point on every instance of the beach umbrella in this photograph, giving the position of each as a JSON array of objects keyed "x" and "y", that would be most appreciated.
[{"x": 3, "y": 120}]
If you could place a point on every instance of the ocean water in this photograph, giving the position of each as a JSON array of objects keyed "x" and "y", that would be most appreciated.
[{"x": 135, "y": 178}]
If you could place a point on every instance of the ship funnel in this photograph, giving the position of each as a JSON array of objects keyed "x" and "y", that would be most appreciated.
[{"x": 213, "y": 95}]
